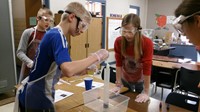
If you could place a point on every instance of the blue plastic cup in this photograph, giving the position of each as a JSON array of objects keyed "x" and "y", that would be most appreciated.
[{"x": 88, "y": 83}]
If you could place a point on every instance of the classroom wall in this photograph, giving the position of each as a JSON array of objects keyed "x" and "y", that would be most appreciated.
[
  {"x": 163, "y": 7},
  {"x": 56, "y": 5}
]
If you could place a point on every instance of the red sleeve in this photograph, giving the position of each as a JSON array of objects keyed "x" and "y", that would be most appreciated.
[
  {"x": 117, "y": 49},
  {"x": 147, "y": 55}
]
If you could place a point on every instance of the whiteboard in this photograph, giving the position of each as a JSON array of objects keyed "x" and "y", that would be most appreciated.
[{"x": 112, "y": 34}]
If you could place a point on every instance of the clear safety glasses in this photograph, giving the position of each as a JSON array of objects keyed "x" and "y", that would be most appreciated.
[
  {"x": 47, "y": 19},
  {"x": 124, "y": 31},
  {"x": 81, "y": 25},
  {"x": 177, "y": 23}
]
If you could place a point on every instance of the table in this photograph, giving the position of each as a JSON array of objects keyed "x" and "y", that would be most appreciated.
[
  {"x": 86, "y": 109},
  {"x": 76, "y": 99},
  {"x": 174, "y": 63},
  {"x": 152, "y": 105},
  {"x": 74, "y": 103}
]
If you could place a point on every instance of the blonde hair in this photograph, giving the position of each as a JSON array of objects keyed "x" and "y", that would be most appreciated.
[
  {"x": 134, "y": 20},
  {"x": 43, "y": 11},
  {"x": 79, "y": 10}
]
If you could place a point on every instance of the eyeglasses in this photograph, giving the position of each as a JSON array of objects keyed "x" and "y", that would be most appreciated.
[
  {"x": 81, "y": 25},
  {"x": 123, "y": 31},
  {"x": 177, "y": 23},
  {"x": 46, "y": 19}
]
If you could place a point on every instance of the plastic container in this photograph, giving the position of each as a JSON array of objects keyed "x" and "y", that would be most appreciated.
[{"x": 93, "y": 99}]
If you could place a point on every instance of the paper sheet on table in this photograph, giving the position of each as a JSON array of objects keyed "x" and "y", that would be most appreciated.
[
  {"x": 59, "y": 83},
  {"x": 60, "y": 94},
  {"x": 94, "y": 84}
]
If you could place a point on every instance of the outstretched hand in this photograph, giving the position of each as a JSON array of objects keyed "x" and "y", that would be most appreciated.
[{"x": 142, "y": 98}]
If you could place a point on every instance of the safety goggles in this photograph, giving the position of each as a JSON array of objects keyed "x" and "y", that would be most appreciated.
[
  {"x": 177, "y": 23},
  {"x": 47, "y": 19},
  {"x": 81, "y": 25},
  {"x": 123, "y": 31}
]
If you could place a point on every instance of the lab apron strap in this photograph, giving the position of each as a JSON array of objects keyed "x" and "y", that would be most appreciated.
[{"x": 20, "y": 88}]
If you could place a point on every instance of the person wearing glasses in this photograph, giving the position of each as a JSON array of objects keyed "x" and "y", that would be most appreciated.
[
  {"x": 52, "y": 60},
  {"x": 30, "y": 40},
  {"x": 187, "y": 21},
  {"x": 133, "y": 54}
]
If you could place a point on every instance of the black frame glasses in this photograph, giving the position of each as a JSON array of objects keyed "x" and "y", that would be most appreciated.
[{"x": 78, "y": 18}]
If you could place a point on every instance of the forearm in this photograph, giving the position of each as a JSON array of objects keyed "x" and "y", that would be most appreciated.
[
  {"x": 71, "y": 68},
  {"x": 118, "y": 74},
  {"x": 22, "y": 47},
  {"x": 23, "y": 57},
  {"x": 146, "y": 84}
]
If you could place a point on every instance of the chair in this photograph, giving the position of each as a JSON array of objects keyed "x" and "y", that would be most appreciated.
[
  {"x": 188, "y": 81},
  {"x": 183, "y": 101},
  {"x": 153, "y": 78},
  {"x": 112, "y": 74},
  {"x": 165, "y": 79}
]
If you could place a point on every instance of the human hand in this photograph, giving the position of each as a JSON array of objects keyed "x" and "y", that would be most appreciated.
[
  {"x": 142, "y": 98},
  {"x": 115, "y": 90},
  {"x": 30, "y": 64},
  {"x": 118, "y": 84},
  {"x": 101, "y": 55}
]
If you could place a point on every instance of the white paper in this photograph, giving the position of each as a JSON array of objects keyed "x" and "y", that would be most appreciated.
[
  {"x": 61, "y": 94},
  {"x": 59, "y": 83},
  {"x": 185, "y": 60},
  {"x": 94, "y": 84},
  {"x": 64, "y": 82}
]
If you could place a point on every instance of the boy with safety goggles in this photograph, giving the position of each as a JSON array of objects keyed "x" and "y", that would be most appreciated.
[{"x": 30, "y": 40}]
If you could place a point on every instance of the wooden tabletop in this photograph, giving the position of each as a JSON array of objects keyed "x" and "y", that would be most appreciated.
[
  {"x": 152, "y": 105},
  {"x": 86, "y": 109},
  {"x": 165, "y": 58},
  {"x": 165, "y": 64},
  {"x": 193, "y": 66}
]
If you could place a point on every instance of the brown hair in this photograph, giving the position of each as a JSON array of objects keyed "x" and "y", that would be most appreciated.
[
  {"x": 43, "y": 11},
  {"x": 188, "y": 7},
  {"x": 134, "y": 20}
]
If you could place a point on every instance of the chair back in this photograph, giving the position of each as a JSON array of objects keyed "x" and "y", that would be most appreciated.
[
  {"x": 112, "y": 74},
  {"x": 183, "y": 101},
  {"x": 189, "y": 80}
]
